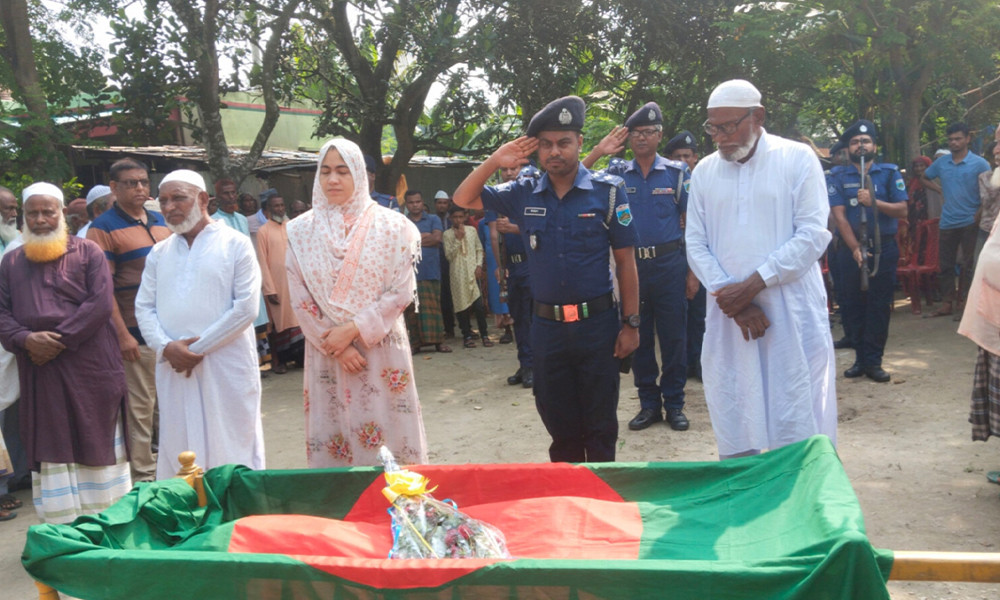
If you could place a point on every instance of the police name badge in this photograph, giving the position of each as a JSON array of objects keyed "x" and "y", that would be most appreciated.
[
  {"x": 631, "y": 190},
  {"x": 662, "y": 191},
  {"x": 624, "y": 214},
  {"x": 534, "y": 211},
  {"x": 565, "y": 117}
]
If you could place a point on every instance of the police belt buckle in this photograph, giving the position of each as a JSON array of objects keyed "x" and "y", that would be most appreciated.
[
  {"x": 646, "y": 253},
  {"x": 568, "y": 313},
  {"x": 516, "y": 258}
]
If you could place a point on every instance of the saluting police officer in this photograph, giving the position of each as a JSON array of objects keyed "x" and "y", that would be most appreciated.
[
  {"x": 568, "y": 219},
  {"x": 866, "y": 314},
  {"x": 655, "y": 186},
  {"x": 684, "y": 147},
  {"x": 519, "y": 299}
]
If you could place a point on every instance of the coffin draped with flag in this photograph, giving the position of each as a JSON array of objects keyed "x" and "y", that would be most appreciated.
[{"x": 785, "y": 524}]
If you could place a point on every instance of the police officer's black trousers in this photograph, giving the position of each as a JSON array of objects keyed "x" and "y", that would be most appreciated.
[
  {"x": 576, "y": 385},
  {"x": 866, "y": 314},
  {"x": 520, "y": 303}
]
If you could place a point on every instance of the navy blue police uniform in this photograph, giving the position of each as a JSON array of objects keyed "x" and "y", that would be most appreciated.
[
  {"x": 697, "y": 306},
  {"x": 657, "y": 201},
  {"x": 866, "y": 314},
  {"x": 519, "y": 298},
  {"x": 576, "y": 322}
]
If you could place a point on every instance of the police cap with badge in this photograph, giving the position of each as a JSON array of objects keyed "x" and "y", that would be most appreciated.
[
  {"x": 859, "y": 127},
  {"x": 681, "y": 141},
  {"x": 649, "y": 114},
  {"x": 564, "y": 114}
]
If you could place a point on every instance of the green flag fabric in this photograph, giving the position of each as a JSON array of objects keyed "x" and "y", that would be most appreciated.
[{"x": 783, "y": 525}]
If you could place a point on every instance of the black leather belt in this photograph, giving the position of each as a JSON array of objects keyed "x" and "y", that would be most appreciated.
[
  {"x": 516, "y": 258},
  {"x": 647, "y": 252},
  {"x": 568, "y": 313}
]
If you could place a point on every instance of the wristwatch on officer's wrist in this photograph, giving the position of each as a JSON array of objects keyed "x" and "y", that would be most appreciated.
[{"x": 632, "y": 321}]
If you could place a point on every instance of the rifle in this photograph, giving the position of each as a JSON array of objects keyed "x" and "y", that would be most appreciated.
[{"x": 863, "y": 238}]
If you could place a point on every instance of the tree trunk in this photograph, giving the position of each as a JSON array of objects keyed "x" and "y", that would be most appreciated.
[{"x": 40, "y": 132}]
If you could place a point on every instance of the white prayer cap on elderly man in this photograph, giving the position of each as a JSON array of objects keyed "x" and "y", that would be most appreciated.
[
  {"x": 96, "y": 192},
  {"x": 185, "y": 176},
  {"x": 42, "y": 189},
  {"x": 735, "y": 93}
]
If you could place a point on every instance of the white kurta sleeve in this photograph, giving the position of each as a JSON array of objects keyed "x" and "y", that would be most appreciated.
[
  {"x": 375, "y": 320},
  {"x": 700, "y": 258},
  {"x": 811, "y": 207},
  {"x": 145, "y": 306},
  {"x": 246, "y": 302}
]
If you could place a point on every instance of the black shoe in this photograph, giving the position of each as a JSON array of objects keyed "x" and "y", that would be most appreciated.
[
  {"x": 516, "y": 378},
  {"x": 877, "y": 374},
  {"x": 645, "y": 418},
  {"x": 529, "y": 378},
  {"x": 856, "y": 370},
  {"x": 842, "y": 343},
  {"x": 507, "y": 337},
  {"x": 677, "y": 420}
]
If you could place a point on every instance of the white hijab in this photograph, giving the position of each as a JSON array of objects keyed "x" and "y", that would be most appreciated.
[{"x": 329, "y": 241}]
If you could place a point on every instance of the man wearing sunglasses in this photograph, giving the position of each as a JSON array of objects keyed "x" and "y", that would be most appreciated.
[{"x": 756, "y": 228}]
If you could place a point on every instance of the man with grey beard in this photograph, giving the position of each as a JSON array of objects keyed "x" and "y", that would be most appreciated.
[
  {"x": 8, "y": 218},
  {"x": 756, "y": 228},
  {"x": 55, "y": 317},
  {"x": 206, "y": 375}
]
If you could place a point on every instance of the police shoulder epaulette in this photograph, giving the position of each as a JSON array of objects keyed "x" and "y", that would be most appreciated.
[
  {"x": 608, "y": 178},
  {"x": 677, "y": 164}
]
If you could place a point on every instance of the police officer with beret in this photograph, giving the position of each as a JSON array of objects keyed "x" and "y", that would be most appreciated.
[
  {"x": 684, "y": 147},
  {"x": 568, "y": 219},
  {"x": 381, "y": 199},
  {"x": 866, "y": 313},
  {"x": 658, "y": 199}
]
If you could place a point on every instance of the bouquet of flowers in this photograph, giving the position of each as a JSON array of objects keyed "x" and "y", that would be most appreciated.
[{"x": 424, "y": 527}]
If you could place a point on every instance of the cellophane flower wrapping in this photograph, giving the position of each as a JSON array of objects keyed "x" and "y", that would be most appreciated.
[{"x": 424, "y": 527}]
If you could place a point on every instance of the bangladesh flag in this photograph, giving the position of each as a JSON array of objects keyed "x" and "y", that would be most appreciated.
[{"x": 785, "y": 524}]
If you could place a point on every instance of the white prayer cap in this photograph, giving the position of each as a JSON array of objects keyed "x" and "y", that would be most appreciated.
[
  {"x": 42, "y": 189},
  {"x": 98, "y": 191},
  {"x": 441, "y": 194},
  {"x": 186, "y": 176},
  {"x": 735, "y": 93}
]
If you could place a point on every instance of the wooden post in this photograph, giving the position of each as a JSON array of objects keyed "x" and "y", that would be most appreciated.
[
  {"x": 975, "y": 567},
  {"x": 193, "y": 475}
]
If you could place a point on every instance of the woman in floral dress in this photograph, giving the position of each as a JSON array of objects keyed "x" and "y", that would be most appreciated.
[{"x": 350, "y": 276}]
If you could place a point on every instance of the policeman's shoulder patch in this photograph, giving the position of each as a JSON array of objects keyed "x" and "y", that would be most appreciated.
[
  {"x": 608, "y": 178},
  {"x": 624, "y": 214},
  {"x": 831, "y": 189},
  {"x": 687, "y": 186},
  {"x": 676, "y": 164},
  {"x": 900, "y": 185}
]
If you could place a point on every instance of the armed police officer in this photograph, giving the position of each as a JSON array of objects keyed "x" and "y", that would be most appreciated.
[
  {"x": 866, "y": 313},
  {"x": 658, "y": 200},
  {"x": 568, "y": 219}
]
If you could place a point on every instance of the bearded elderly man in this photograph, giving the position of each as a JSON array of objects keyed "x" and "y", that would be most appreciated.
[
  {"x": 55, "y": 317},
  {"x": 199, "y": 296},
  {"x": 757, "y": 226}
]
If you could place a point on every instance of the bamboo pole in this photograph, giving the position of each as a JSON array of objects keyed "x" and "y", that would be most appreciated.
[{"x": 975, "y": 567}]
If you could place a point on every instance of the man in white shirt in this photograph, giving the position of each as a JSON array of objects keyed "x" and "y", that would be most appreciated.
[
  {"x": 199, "y": 296},
  {"x": 757, "y": 217}
]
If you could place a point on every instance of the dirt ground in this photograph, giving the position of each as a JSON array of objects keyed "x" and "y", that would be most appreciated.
[{"x": 906, "y": 445}]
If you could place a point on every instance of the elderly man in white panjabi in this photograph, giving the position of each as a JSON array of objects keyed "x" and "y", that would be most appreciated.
[
  {"x": 199, "y": 297},
  {"x": 756, "y": 227}
]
